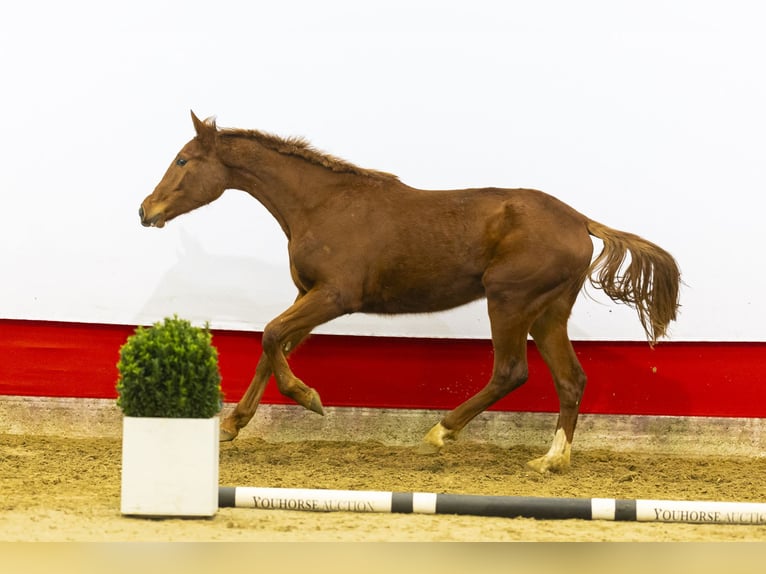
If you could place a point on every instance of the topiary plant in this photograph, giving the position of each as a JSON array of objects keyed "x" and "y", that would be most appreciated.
[{"x": 169, "y": 370}]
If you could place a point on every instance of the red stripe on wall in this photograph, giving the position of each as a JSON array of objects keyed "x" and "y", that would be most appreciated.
[{"x": 52, "y": 359}]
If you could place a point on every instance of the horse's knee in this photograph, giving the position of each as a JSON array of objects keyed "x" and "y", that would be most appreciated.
[{"x": 270, "y": 340}]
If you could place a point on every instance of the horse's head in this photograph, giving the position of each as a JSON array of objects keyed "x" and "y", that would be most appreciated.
[{"x": 195, "y": 178}]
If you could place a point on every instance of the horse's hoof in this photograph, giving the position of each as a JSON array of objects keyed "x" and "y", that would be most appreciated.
[
  {"x": 538, "y": 465},
  {"x": 316, "y": 403},
  {"x": 226, "y": 436},
  {"x": 433, "y": 442},
  {"x": 546, "y": 464}
]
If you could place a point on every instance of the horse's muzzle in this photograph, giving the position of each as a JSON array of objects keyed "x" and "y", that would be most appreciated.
[
  {"x": 155, "y": 221},
  {"x": 141, "y": 214}
]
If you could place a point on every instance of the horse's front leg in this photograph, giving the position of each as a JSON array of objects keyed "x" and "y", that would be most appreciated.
[
  {"x": 283, "y": 333},
  {"x": 248, "y": 404}
]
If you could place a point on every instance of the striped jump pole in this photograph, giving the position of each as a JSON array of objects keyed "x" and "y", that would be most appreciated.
[{"x": 321, "y": 500}]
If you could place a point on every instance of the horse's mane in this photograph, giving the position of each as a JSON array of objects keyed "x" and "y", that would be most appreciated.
[{"x": 299, "y": 147}]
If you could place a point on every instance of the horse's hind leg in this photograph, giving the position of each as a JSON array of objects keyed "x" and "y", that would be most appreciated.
[
  {"x": 550, "y": 334},
  {"x": 510, "y": 325}
]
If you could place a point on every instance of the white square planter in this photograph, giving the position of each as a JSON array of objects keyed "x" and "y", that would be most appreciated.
[{"x": 169, "y": 466}]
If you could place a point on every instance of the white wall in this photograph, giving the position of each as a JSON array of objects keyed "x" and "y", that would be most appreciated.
[{"x": 648, "y": 116}]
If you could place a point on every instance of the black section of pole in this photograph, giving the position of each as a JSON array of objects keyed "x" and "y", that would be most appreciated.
[
  {"x": 625, "y": 510},
  {"x": 227, "y": 496},
  {"x": 402, "y": 502},
  {"x": 514, "y": 506}
]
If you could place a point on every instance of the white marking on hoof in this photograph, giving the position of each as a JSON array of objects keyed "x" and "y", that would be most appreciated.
[
  {"x": 433, "y": 442},
  {"x": 226, "y": 436},
  {"x": 557, "y": 458}
]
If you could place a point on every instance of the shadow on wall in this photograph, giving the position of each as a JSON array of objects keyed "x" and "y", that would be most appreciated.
[
  {"x": 245, "y": 293},
  {"x": 235, "y": 291}
]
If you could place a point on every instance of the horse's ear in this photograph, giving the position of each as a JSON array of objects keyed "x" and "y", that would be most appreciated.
[{"x": 205, "y": 130}]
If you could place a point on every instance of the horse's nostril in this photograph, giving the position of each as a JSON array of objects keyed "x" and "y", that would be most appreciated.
[{"x": 141, "y": 212}]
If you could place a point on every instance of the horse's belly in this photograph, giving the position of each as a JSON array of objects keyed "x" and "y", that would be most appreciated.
[{"x": 428, "y": 297}]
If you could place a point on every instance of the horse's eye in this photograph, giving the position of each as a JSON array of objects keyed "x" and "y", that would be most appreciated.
[{"x": 181, "y": 161}]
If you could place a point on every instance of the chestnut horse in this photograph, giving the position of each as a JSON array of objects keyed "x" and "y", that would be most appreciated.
[{"x": 363, "y": 241}]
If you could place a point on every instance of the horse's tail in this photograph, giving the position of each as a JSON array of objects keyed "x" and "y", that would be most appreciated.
[{"x": 649, "y": 282}]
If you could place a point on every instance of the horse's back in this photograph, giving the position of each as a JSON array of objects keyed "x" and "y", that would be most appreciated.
[
  {"x": 530, "y": 219},
  {"x": 441, "y": 248}
]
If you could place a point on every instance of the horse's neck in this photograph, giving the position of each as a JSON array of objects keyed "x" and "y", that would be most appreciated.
[{"x": 278, "y": 182}]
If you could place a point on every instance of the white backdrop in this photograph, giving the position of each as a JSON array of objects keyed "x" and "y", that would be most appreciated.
[{"x": 647, "y": 116}]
